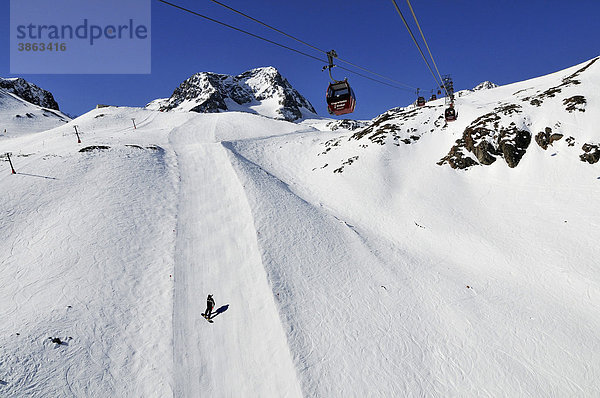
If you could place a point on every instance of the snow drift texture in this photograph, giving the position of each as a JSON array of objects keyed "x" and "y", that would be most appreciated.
[{"x": 344, "y": 263}]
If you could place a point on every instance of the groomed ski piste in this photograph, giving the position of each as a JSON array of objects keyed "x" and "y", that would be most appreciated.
[{"x": 395, "y": 277}]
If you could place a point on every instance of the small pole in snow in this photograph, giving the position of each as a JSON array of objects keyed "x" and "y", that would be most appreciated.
[
  {"x": 133, "y": 120},
  {"x": 77, "y": 134},
  {"x": 11, "y": 165}
]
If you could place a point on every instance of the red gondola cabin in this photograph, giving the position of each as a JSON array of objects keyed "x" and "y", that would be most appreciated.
[
  {"x": 450, "y": 114},
  {"x": 340, "y": 98}
]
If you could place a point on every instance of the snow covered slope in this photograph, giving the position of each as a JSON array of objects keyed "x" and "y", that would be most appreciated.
[
  {"x": 401, "y": 277},
  {"x": 343, "y": 263},
  {"x": 25, "y": 108},
  {"x": 560, "y": 110},
  {"x": 87, "y": 258}
]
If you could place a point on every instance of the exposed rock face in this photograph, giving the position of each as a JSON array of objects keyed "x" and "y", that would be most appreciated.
[
  {"x": 546, "y": 138},
  {"x": 211, "y": 92},
  {"x": 487, "y": 139},
  {"x": 575, "y": 103},
  {"x": 513, "y": 143},
  {"x": 346, "y": 124},
  {"x": 29, "y": 92},
  {"x": 486, "y": 85},
  {"x": 591, "y": 153},
  {"x": 456, "y": 158}
]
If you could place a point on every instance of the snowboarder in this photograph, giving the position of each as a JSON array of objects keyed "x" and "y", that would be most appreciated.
[{"x": 210, "y": 304}]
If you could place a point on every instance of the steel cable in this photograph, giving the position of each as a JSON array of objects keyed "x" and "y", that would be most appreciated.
[
  {"x": 415, "y": 41},
  {"x": 282, "y": 45}
]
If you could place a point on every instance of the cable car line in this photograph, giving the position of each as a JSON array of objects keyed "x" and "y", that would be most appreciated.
[
  {"x": 375, "y": 80},
  {"x": 450, "y": 113},
  {"x": 426, "y": 45},
  {"x": 415, "y": 41},
  {"x": 268, "y": 26},
  {"x": 278, "y": 44},
  {"x": 309, "y": 45},
  {"x": 240, "y": 30}
]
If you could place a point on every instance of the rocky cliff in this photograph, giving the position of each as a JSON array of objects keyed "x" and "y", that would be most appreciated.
[{"x": 29, "y": 92}]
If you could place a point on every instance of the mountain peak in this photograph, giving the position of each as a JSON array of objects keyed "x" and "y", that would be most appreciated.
[
  {"x": 29, "y": 92},
  {"x": 486, "y": 85},
  {"x": 260, "y": 90}
]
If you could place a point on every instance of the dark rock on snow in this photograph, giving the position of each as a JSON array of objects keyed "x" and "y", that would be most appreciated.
[
  {"x": 546, "y": 138},
  {"x": 591, "y": 153},
  {"x": 29, "y": 92},
  {"x": 487, "y": 140}
]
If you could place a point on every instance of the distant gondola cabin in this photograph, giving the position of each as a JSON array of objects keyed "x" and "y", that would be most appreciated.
[{"x": 450, "y": 114}]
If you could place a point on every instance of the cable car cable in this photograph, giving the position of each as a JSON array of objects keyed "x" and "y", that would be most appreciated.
[
  {"x": 268, "y": 26},
  {"x": 307, "y": 44},
  {"x": 426, "y": 45},
  {"x": 375, "y": 80},
  {"x": 277, "y": 44},
  {"x": 415, "y": 41},
  {"x": 240, "y": 30}
]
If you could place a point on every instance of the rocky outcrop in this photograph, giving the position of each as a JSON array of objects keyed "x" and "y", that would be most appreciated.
[
  {"x": 29, "y": 92},
  {"x": 390, "y": 125},
  {"x": 545, "y": 138},
  {"x": 591, "y": 153},
  {"x": 513, "y": 143},
  {"x": 486, "y": 85},
  {"x": 456, "y": 158},
  {"x": 487, "y": 139},
  {"x": 212, "y": 92},
  {"x": 575, "y": 103},
  {"x": 346, "y": 124}
]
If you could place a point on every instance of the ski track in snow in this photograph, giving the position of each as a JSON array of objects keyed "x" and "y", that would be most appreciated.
[{"x": 243, "y": 353}]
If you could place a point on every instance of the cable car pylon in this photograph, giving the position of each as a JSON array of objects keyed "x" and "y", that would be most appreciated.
[
  {"x": 450, "y": 113},
  {"x": 340, "y": 97}
]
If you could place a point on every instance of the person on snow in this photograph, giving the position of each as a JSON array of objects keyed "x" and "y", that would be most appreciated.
[{"x": 210, "y": 304}]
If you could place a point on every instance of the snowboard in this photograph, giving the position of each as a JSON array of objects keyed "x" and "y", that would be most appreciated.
[{"x": 208, "y": 319}]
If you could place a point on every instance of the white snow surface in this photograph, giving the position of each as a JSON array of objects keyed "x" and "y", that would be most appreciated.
[{"x": 396, "y": 277}]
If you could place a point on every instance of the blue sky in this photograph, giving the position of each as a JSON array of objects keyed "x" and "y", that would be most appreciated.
[{"x": 501, "y": 41}]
